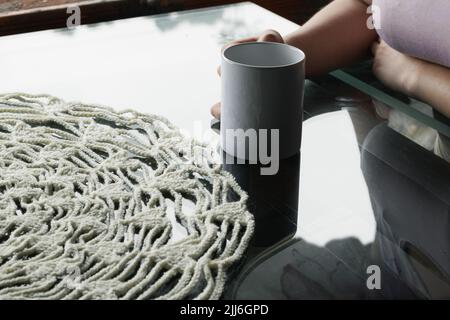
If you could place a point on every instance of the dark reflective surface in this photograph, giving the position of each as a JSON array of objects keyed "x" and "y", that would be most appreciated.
[
  {"x": 373, "y": 185},
  {"x": 273, "y": 199},
  {"x": 410, "y": 194},
  {"x": 371, "y": 194}
]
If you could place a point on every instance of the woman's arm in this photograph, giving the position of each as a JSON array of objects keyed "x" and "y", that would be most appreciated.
[
  {"x": 414, "y": 77},
  {"x": 335, "y": 37},
  {"x": 432, "y": 86}
]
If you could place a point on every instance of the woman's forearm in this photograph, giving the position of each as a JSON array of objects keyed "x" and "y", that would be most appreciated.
[
  {"x": 335, "y": 37},
  {"x": 431, "y": 84}
]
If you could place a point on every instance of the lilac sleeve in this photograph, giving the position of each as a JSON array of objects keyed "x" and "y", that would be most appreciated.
[{"x": 419, "y": 28}]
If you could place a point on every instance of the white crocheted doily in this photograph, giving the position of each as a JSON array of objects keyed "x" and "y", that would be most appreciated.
[{"x": 99, "y": 204}]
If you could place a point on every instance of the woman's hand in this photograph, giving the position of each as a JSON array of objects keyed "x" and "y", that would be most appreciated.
[
  {"x": 267, "y": 36},
  {"x": 396, "y": 70}
]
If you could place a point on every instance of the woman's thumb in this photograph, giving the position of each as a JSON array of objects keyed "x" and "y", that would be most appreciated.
[{"x": 271, "y": 36}]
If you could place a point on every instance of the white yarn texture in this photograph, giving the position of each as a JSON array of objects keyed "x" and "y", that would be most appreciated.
[{"x": 99, "y": 204}]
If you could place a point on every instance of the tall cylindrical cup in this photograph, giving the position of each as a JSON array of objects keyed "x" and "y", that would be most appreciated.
[{"x": 262, "y": 100}]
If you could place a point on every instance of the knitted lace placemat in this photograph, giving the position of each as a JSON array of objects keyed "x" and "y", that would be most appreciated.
[{"x": 99, "y": 204}]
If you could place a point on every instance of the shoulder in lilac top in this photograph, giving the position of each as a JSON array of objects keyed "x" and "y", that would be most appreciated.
[{"x": 420, "y": 28}]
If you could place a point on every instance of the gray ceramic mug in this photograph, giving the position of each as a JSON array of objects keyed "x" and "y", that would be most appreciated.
[{"x": 262, "y": 96}]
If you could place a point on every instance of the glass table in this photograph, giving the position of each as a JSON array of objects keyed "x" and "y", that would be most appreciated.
[{"x": 373, "y": 191}]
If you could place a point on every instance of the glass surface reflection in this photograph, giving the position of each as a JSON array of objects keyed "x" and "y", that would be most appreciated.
[
  {"x": 273, "y": 199},
  {"x": 368, "y": 196},
  {"x": 410, "y": 193}
]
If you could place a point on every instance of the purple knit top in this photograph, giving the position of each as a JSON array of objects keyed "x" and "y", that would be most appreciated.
[{"x": 420, "y": 28}]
